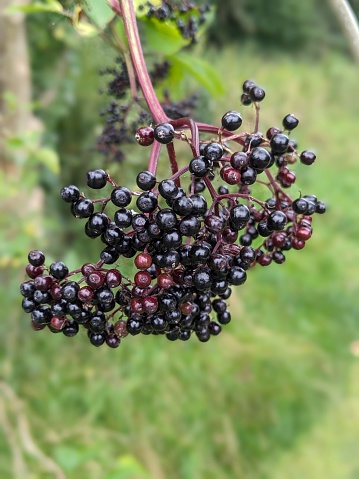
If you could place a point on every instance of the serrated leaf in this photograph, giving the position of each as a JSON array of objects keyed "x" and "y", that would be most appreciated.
[
  {"x": 99, "y": 12},
  {"x": 49, "y": 158},
  {"x": 163, "y": 37},
  {"x": 37, "y": 7},
  {"x": 201, "y": 70}
]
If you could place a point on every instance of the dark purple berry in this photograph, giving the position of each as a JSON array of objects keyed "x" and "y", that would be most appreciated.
[
  {"x": 231, "y": 120},
  {"x": 96, "y": 179}
]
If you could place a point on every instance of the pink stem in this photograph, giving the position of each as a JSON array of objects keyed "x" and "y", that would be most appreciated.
[
  {"x": 134, "y": 43},
  {"x": 155, "y": 153},
  {"x": 173, "y": 162}
]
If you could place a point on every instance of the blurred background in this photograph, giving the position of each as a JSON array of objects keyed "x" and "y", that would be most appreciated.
[{"x": 276, "y": 395}]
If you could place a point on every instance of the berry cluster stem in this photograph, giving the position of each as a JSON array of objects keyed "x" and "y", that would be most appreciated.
[{"x": 129, "y": 20}]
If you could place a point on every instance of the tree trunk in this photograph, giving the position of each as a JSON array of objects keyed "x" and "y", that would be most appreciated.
[
  {"x": 349, "y": 24},
  {"x": 15, "y": 77}
]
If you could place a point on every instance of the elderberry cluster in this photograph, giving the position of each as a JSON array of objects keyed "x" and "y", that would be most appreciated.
[
  {"x": 186, "y": 15},
  {"x": 123, "y": 116},
  {"x": 190, "y": 244}
]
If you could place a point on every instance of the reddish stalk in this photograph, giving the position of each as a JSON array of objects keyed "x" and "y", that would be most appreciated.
[{"x": 129, "y": 20}]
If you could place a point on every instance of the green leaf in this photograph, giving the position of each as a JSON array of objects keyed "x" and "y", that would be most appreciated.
[
  {"x": 99, "y": 12},
  {"x": 49, "y": 158},
  {"x": 163, "y": 37},
  {"x": 38, "y": 7},
  {"x": 68, "y": 457},
  {"x": 83, "y": 28},
  {"x": 127, "y": 467},
  {"x": 201, "y": 70}
]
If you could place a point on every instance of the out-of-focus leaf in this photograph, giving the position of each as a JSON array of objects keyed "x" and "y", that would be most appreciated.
[
  {"x": 83, "y": 28},
  {"x": 98, "y": 12},
  {"x": 163, "y": 37},
  {"x": 68, "y": 457},
  {"x": 120, "y": 31},
  {"x": 127, "y": 467},
  {"x": 49, "y": 158},
  {"x": 38, "y": 7},
  {"x": 204, "y": 73}
]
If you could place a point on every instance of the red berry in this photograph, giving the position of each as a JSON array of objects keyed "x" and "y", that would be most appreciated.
[
  {"x": 150, "y": 304},
  {"x": 85, "y": 294},
  {"x": 186, "y": 308},
  {"x": 142, "y": 279},
  {"x": 120, "y": 329},
  {"x": 87, "y": 269},
  {"x": 145, "y": 136},
  {"x": 43, "y": 282},
  {"x": 57, "y": 323},
  {"x": 230, "y": 175},
  {"x": 136, "y": 305},
  {"x": 96, "y": 280},
  {"x": 165, "y": 280},
  {"x": 304, "y": 233},
  {"x": 55, "y": 291},
  {"x": 33, "y": 271},
  {"x": 297, "y": 243},
  {"x": 264, "y": 260},
  {"x": 143, "y": 261},
  {"x": 113, "y": 278}
]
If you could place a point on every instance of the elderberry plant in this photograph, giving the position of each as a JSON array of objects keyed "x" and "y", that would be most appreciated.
[{"x": 192, "y": 236}]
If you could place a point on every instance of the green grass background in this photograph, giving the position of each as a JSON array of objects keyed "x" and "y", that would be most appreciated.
[{"x": 275, "y": 396}]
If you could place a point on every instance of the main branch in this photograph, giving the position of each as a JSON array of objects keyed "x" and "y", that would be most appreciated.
[{"x": 129, "y": 20}]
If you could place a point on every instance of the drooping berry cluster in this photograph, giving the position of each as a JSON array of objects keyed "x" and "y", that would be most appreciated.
[
  {"x": 186, "y": 15},
  {"x": 124, "y": 115},
  {"x": 189, "y": 243}
]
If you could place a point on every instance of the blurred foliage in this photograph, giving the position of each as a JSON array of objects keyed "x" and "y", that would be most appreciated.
[{"x": 306, "y": 27}]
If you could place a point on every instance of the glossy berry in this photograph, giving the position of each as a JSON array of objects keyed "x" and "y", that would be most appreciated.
[
  {"x": 36, "y": 258},
  {"x": 213, "y": 151},
  {"x": 146, "y": 180},
  {"x": 96, "y": 179},
  {"x": 277, "y": 221},
  {"x": 83, "y": 208},
  {"x": 259, "y": 158},
  {"x": 147, "y": 202},
  {"x": 230, "y": 175},
  {"x": 290, "y": 122},
  {"x": 246, "y": 99},
  {"x": 257, "y": 94},
  {"x": 231, "y": 121},
  {"x": 145, "y": 136},
  {"x": 70, "y": 193},
  {"x": 121, "y": 196},
  {"x": 248, "y": 85},
  {"x": 199, "y": 166},
  {"x": 59, "y": 270},
  {"x": 307, "y": 157},
  {"x": 97, "y": 339},
  {"x": 164, "y": 133},
  {"x": 279, "y": 143},
  {"x": 168, "y": 189},
  {"x": 239, "y": 160},
  {"x": 248, "y": 176},
  {"x": 300, "y": 206}
]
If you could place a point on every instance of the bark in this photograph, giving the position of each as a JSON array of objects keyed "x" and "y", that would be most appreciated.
[{"x": 15, "y": 77}]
